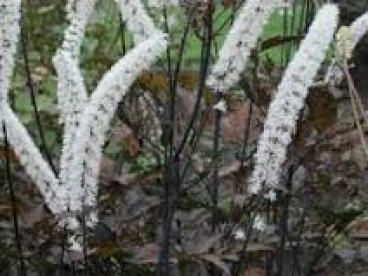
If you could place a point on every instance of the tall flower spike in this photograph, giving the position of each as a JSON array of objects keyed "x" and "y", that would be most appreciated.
[
  {"x": 28, "y": 154},
  {"x": 83, "y": 170},
  {"x": 240, "y": 41},
  {"x": 71, "y": 91},
  {"x": 73, "y": 99},
  {"x": 71, "y": 87},
  {"x": 289, "y": 100},
  {"x": 355, "y": 33},
  {"x": 137, "y": 20}
]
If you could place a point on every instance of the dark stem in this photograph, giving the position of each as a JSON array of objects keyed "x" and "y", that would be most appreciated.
[
  {"x": 23, "y": 270},
  {"x": 283, "y": 226}
]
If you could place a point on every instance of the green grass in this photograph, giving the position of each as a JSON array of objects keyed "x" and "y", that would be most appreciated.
[{"x": 272, "y": 29}]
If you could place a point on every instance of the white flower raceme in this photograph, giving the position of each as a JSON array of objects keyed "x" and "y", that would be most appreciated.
[
  {"x": 9, "y": 35},
  {"x": 83, "y": 170},
  {"x": 289, "y": 99},
  {"x": 352, "y": 35},
  {"x": 240, "y": 41},
  {"x": 72, "y": 90},
  {"x": 74, "y": 104},
  {"x": 137, "y": 20}
]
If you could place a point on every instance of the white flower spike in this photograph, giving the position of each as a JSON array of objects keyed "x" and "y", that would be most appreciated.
[
  {"x": 75, "y": 106},
  {"x": 289, "y": 99},
  {"x": 240, "y": 41},
  {"x": 87, "y": 149}
]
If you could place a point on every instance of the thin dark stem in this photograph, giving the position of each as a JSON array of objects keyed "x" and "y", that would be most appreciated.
[
  {"x": 283, "y": 227},
  {"x": 122, "y": 36},
  {"x": 170, "y": 181},
  {"x": 205, "y": 58},
  {"x": 23, "y": 270},
  {"x": 172, "y": 164}
]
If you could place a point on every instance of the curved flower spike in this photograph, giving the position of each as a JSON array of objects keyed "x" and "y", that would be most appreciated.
[
  {"x": 289, "y": 100},
  {"x": 83, "y": 170},
  {"x": 240, "y": 41}
]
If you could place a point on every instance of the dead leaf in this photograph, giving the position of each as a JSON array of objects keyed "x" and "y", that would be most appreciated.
[
  {"x": 254, "y": 272},
  {"x": 235, "y": 123}
]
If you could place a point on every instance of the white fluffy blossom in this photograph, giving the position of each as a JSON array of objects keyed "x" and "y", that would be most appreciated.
[
  {"x": 240, "y": 235},
  {"x": 240, "y": 41},
  {"x": 289, "y": 99},
  {"x": 271, "y": 195},
  {"x": 83, "y": 169},
  {"x": 221, "y": 106},
  {"x": 352, "y": 35},
  {"x": 259, "y": 223},
  {"x": 137, "y": 20},
  {"x": 87, "y": 120},
  {"x": 71, "y": 91}
]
